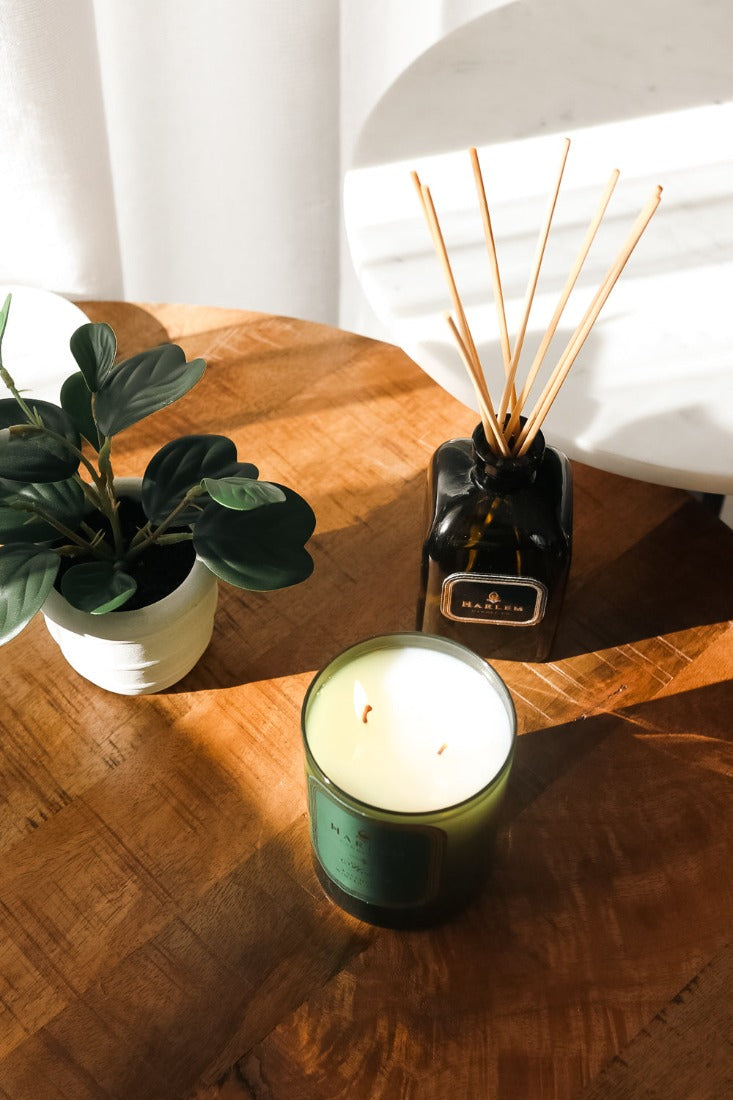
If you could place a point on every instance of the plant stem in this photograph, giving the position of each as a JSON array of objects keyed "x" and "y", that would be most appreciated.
[
  {"x": 25, "y": 409},
  {"x": 30, "y": 414},
  {"x": 103, "y": 479},
  {"x": 90, "y": 492},
  {"x": 35, "y": 421},
  {"x": 173, "y": 537},
  {"x": 139, "y": 544},
  {"x": 90, "y": 546},
  {"x": 41, "y": 429},
  {"x": 109, "y": 503}
]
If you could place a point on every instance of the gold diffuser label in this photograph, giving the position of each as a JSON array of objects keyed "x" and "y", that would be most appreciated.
[{"x": 489, "y": 598}]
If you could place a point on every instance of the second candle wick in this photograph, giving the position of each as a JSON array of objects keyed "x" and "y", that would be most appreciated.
[{"x": 365, "y": 712}]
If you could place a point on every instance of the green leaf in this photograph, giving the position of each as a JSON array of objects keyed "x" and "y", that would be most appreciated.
[
  {"x": 242, "y": 493},
  {"x": 261, "y": 549},
  {"x": 4, "y": 316},
  {"x": 94, "y": 346},
  {"x": 27, "y": 453},
  {"x": 143, "y": 385},
  {"x": 64, "y": 500},
  {"x": 97, "y": 587},
  {"x": 20, "y": 526},
  {"x": 27, "y": 574},
  {"x": 183, "y": 463},
  {"x": 76, "y": 400}
]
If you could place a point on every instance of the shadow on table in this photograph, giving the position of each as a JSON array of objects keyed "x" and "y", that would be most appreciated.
[
  {"x": 205, "y": 923},
  {"x": 615, "y": 832},
  {"x": 651, "y": 589},
  {"x": 365, "y": 582},
  {"x": 125, "y": 317},
  {"x": 690, "y": 725}
]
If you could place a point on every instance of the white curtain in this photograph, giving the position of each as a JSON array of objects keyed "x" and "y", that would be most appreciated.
[
  {"x": 181, "y": 151},
  {"x": 56, "y": 201}
]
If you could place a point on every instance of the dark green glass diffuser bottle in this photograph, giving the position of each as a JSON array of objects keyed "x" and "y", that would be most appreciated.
[{"x": 497, "y": 550}]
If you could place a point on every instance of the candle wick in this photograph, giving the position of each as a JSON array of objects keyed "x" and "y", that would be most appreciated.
[
  {"x": 442, "y": 748},
  {"x": 365, "y": 712}
]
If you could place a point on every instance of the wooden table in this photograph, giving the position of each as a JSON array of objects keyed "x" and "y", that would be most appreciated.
[{"x": 162, "y": 930}]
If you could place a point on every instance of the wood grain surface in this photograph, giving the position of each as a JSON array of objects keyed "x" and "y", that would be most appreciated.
[{"x": 162, "y": 933}]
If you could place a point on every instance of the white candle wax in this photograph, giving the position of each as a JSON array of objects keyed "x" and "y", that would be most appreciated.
[{"x": 437, "y": 731}]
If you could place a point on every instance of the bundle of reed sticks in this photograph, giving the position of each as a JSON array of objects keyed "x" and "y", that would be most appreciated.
[{"x": 502, "y": 423}]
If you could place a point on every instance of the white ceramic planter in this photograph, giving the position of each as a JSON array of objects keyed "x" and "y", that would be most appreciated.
[{"x": 142, "y": 651}]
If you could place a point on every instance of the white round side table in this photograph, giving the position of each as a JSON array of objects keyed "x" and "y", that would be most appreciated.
[{"x": 651, "y": 393}]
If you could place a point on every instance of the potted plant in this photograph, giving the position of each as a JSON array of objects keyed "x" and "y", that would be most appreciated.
[{"x": 126, "y": 570}]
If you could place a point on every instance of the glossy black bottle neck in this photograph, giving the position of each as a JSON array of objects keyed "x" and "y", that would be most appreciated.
[{"x": 492, "y": 469}]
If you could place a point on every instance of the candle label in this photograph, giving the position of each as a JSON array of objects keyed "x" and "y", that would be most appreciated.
[
  {"x": 489, "y": 598},
  {"x": 387, "y": 865}
]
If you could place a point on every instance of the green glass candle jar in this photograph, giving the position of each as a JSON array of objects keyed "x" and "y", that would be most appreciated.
[{"x": 408, "y": 746}]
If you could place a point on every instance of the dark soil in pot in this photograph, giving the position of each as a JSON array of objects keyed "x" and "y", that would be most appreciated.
[{"x": 158, "y": 571}]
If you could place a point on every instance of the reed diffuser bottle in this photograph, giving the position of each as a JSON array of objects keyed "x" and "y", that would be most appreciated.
[
  {"x": 497, "y": 549},
  {"x": 496, "y": 554}
]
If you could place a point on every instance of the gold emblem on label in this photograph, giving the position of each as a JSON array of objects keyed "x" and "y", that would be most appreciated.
[{"x": 462, "y": 599}]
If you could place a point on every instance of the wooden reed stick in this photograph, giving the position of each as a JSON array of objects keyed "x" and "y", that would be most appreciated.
[
  {"x": 580, "y": 259},
  {"x": 493, "y": 260},
  {"x": 466, "y": 344},
  {"x": 532, "y": 286},
  {"x": 442, "y": 252},
  {"x": 551, "y": 390},
  {"x": 418, "y": 188},
  {"x": 436, "y": 235},
  {"x": 486, "y": 408}
]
